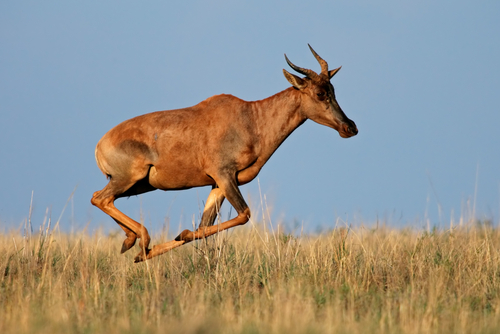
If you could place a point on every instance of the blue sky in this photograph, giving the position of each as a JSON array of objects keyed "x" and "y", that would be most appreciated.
[{"x": 420, "y": 79}]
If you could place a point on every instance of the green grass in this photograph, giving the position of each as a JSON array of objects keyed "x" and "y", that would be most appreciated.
[{"x": 252, "y": 280}]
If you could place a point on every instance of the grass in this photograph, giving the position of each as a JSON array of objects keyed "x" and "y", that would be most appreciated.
[{"x": 253, "y": 280}]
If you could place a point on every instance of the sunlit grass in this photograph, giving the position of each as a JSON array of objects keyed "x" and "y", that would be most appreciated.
[{"x": 253, "y": 280}]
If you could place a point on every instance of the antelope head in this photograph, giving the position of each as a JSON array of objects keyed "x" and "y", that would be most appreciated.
[{"x": 318, "y": 97}]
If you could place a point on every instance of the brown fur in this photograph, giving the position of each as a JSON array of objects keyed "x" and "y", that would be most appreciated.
[{"x": 222, "y": 142}]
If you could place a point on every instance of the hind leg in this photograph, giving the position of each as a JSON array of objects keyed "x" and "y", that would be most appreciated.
[
  {"x": 104, "y": 200},
  {"x": 129, "y": 242}
]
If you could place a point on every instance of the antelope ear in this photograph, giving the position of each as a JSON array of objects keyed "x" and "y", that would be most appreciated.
[
  {"x": 333, "y": 72},
  {"x": 295, "y": 80}
]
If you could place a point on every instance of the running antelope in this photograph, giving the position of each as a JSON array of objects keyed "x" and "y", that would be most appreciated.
[{"x": 222, "y": 142}]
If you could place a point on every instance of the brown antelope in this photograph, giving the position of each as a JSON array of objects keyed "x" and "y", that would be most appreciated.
[{"x": 222, "y": 142}]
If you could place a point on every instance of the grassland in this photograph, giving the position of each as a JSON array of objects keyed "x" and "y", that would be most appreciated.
[{"x": 253, "y": 280}]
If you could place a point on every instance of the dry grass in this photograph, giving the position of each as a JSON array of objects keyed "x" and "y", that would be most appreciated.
[{"x": 256, "y": 281}]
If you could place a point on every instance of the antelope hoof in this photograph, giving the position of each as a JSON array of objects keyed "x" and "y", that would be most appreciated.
[
  {"x": 128, "y": 243},
  {"x": 142, "y": 256},
  {"x": 185, "y": 235}
]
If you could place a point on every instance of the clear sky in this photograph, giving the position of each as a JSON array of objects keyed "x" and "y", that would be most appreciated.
[{"x": 421, "y": 79}]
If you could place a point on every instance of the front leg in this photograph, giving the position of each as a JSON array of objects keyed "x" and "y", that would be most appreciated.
[
  {"x": 212, "y": 207},
  {"x": 229, "y": 189}
]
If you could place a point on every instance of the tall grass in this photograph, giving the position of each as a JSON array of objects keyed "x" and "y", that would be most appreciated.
[{"x": 253, "y": 280}]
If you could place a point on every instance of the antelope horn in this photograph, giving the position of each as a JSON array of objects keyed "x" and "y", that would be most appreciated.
[
  {"x": 323, "y": 63},
  {"x": 309, "y": 73}
]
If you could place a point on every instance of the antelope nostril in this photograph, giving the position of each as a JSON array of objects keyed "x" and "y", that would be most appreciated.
[{"x": 350, "y": 129}]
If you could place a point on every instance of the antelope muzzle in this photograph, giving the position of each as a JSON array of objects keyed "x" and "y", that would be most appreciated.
[{"x": 349, "y": 129}]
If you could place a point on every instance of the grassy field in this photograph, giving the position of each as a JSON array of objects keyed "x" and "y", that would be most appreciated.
[{"x": 253, "y": 280}]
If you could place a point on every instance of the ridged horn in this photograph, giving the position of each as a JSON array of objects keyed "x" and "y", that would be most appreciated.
[
  {"x": 309, "y": 73},
  {"x": 323, "y": 63}
]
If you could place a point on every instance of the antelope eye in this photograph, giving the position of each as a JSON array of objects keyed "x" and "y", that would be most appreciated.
[{"x": 321, "y": 94}]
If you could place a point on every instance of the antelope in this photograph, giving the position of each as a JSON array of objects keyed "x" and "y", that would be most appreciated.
[{"x": 222, "y": 142}]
